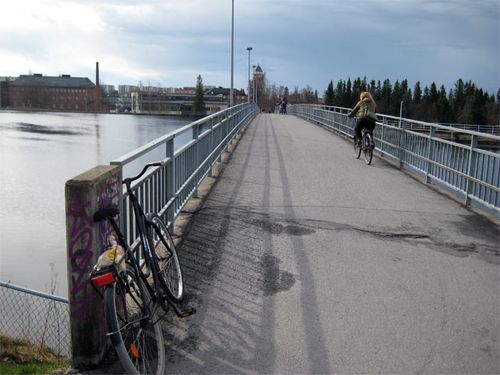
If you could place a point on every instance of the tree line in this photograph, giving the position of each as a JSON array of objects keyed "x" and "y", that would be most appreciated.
[{"x": 465, "y": 103}]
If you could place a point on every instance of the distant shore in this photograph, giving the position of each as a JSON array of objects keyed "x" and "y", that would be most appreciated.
[{"x": 41, "y": 110}]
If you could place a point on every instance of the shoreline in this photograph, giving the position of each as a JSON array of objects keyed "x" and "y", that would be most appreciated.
[{"x": 41, "y": 110}]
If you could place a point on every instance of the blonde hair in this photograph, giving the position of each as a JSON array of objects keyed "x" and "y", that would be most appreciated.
[{"x": 366, "y": 94}]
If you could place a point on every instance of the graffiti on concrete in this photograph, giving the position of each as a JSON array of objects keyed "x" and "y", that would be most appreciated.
[
  {"x": 108, "y": 196},
  {"x": 81, "y": 251},
  {"x": 79, "y": 219}
]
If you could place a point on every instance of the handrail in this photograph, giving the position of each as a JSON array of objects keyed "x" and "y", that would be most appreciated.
[
  {"x": 33, "y": 292},
  {"x": 167, "y": 189},
  {"x": 380, "y": 117},
  {"x": 469, "y": 170}
]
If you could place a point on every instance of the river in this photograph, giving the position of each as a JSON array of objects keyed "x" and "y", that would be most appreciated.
[{"x": 39, "y": 152}]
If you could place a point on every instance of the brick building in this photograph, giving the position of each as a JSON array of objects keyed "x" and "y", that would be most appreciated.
[
  {"x": 63, "y": 93},
  {"x": 259, "y": 87}
]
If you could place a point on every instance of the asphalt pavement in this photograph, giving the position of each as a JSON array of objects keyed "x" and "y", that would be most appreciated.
[{"x": 304, "y": 260}]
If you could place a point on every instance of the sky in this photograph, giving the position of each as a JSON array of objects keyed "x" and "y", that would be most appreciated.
[{"x": 298, "y": 43}]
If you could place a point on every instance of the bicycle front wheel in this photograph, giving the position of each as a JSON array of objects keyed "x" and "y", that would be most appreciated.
[
  {"x": 367, "y": 148},
  {"x": 169, "y": 267},
  {"x": 134, "y": 326}
]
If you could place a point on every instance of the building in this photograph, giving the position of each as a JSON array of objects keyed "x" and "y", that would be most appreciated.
[
  {"x": 125, "y": 90},
  {"x": 224, "y": 93},
  {"x": 4, "y": 91},
  {"x": 259, "y": 87},
  {"x": 63, "y": 93},
  {"x": 216, "y": 99},
  {"x": 108, "y": 89},
  {"x": 185, "y": 91}
]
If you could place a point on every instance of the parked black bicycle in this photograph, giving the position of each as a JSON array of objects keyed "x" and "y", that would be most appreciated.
[
  {"x": 366, "y": 146},
  {"x": 139, "y": 284}
]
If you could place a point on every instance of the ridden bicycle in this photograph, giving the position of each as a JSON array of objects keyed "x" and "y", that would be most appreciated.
[
  {"x": 138, "y": 283},
  {"x": 366, "y": 146}
]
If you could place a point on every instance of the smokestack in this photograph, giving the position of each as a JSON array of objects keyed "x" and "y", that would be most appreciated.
[{"x": 97, "y": 88}]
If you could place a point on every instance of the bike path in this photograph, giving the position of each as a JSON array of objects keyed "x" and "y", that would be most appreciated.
[{"x": 304, "y": 260}]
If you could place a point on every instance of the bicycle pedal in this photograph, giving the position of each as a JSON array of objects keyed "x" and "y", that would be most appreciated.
[{"x": 186, "y": 313}]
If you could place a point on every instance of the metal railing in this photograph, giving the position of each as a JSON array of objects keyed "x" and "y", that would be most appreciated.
[
  {"x": 37, "y": 317},
  {"x": 491, "y": 129},
  {"x": 189, "y": 154},
  {"x": 464, "y": 162}
]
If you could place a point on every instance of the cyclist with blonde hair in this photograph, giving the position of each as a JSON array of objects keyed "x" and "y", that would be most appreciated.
[{"x": 365, "y": 113}]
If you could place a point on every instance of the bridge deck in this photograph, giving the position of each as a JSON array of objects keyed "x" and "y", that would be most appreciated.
[{"x": 305, "y": 260}]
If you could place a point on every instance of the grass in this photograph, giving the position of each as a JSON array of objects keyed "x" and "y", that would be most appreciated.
[{"x": 23, "y": 357}]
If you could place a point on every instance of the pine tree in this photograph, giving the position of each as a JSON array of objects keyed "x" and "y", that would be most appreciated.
[
  {"x": 417, "y": 93},
  {"x": 443, "y": 107},
  {"x": 351, "y": 99},
  {"x": 199, "y": 101},
  {"x": 329, "y": 94},
  {"x": 433, "y": 93}
]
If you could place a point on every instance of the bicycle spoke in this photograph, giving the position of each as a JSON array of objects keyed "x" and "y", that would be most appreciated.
[
  {"x": 167, "y": 262},
  {"x": 134, "y": 327}
]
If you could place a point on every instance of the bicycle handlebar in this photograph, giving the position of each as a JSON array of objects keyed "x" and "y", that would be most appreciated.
[{"x": 128, "y": 180}]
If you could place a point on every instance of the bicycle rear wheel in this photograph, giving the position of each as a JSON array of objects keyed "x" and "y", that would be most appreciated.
[
  {"x": 367, "y": 148},
  {"x": 357, "y": 149},
  {"x": 168, "y": 265},
  {"x": 134, "y": 326}
]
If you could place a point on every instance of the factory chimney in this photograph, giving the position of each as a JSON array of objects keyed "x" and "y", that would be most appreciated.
[{"x": 97, "y": 89}]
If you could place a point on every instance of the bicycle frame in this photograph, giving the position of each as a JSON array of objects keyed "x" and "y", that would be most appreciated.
[{"x": 133, "y": 260}]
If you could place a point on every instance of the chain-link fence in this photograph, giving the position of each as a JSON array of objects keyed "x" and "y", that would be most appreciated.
[{"x": 34, "y": 316}]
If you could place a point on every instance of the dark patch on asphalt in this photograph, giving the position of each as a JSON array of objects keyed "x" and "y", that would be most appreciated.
[
  {"x": 394, "y": 235},
  {"x": 275, "y": 280},
  {"x": 276, "y": 228},
  {"x": 478, "y": 227},
  {"x": 489, "y": 253}
]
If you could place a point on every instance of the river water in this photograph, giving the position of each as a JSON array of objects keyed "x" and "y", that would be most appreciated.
[{"x": 39, "y": 152}]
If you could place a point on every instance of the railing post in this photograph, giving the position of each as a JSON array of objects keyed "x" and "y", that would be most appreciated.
[
  {"x": 382, "y": 137},
  {"x": 430, "y": 154},
  {"x": 471, "y": 169},
  {"x": 171, "y": 182},
  {"x": 210, "y": 173},
  {"x": 402, "y": 140},
  {"x": 196, "y": 135},
  {"x": 97, "y": 188}
]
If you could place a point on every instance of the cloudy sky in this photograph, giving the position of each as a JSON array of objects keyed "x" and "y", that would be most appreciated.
[{"x": 296, "y": 42}]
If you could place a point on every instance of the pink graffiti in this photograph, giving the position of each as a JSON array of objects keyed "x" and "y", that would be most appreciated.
[
  {"x": 80, "y": 255},
  {"x": 107, "y": 197},
  {"x": 80, "y": 252}
]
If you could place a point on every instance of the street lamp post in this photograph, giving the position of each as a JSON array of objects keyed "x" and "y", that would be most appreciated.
[
  {"x": 249, "y": 49},
  {"x": 231, "y": 91}
]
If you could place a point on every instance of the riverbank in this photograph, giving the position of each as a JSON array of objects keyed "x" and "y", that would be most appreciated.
[{"x": 23, "y": 357}]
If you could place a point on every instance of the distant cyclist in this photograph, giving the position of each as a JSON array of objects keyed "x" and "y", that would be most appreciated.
[
  {"x": 365, "y": 113},
  {"x": 283, "y": 104}
]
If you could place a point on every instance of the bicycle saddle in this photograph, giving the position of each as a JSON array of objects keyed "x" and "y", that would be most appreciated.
[{"x": 105, "y": 213}]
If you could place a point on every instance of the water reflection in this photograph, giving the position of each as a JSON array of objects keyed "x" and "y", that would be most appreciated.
[{"x": 39, "y": 152}]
